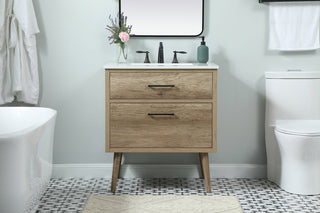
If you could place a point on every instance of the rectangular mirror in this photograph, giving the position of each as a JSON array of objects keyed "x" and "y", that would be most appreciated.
[{"x": 164, "y": 18}]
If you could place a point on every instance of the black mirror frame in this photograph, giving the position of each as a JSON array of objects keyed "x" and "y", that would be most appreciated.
[{"x": 171, "y": 35}]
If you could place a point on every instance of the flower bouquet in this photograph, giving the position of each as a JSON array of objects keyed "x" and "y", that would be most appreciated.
[{"x": 120, "y": 34}]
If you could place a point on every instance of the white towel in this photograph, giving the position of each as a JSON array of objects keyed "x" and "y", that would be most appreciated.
[{"x": 294, "y": 26}]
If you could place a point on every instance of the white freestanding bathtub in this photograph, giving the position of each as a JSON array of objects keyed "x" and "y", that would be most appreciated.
[{"x": 26, "y": 145}]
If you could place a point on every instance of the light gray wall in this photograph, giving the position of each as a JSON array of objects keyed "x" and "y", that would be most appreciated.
[{"x": 73, "y": 48}]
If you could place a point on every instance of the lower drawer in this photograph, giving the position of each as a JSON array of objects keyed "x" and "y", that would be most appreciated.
[{"x": 181, "y": 125}]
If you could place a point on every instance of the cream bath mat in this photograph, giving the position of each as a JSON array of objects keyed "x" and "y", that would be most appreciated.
[{"x": 161, "y": 204}]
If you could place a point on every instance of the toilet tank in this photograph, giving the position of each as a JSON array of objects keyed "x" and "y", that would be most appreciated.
[{"x": 292, "y": 95}]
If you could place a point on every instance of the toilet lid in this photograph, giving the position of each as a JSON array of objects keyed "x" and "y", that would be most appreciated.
[{"x": 299, "y": 127}]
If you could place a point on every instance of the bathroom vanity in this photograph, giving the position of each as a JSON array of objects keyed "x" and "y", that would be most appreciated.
[{"x": 161, "y": 108}]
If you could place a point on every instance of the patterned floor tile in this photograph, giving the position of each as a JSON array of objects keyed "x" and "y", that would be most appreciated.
[{"x": 255, "y": 195}]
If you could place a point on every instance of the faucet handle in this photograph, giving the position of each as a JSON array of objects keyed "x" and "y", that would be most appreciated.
[
  {"x": 175, "y": 59},
  {"x": 146, "y": 60},
  {"x": 182, "y": 52}
]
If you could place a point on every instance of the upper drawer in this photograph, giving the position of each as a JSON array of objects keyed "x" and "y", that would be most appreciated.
[{"x": 160, "y": 85}]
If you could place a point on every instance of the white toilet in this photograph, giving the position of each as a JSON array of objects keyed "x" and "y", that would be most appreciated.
[{"x": 293, "y": 130}]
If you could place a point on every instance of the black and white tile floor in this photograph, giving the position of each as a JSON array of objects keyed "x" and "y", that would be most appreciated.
[{"x": 255, "y": 195}]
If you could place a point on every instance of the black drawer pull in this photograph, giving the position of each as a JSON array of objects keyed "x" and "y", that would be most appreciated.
[
  {"x": 161, "y": 114},
  {"x": 162, "y": 86}
]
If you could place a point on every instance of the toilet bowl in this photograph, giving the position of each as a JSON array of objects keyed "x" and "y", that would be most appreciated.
[
  {"x": 299, "y": 144},
  {"x": 292, "y": 130}
]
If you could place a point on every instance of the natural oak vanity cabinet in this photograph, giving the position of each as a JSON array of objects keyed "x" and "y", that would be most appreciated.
[{"x": 161, "y": 109}]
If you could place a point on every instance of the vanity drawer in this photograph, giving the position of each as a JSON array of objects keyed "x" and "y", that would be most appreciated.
[
  {"x": 161, "y": 85},
  {"x": 161, "y": 125}
]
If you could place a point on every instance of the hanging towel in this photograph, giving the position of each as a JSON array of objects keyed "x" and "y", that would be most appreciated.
[
  {"x": 294, "y": 26},
  {"x": 6, "y": 94},
  {"x": 18, "y": 60}
]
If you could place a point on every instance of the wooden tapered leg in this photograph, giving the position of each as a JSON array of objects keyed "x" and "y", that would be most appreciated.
[
  {"x": 204, "y": 160},
  {"x": 201, "y": 172},
  {"x": 116, "y": 170}
]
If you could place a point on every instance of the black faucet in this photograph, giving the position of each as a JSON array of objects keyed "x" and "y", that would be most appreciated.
[
  {"x": 160, "y": 53},
  {"x": 175, "y": 60}
]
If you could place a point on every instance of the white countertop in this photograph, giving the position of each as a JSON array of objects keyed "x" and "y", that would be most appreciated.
[{"x": 161, "y": 66}]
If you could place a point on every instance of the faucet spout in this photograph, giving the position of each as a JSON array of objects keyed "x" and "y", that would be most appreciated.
[{"x": 160, "y": 53}]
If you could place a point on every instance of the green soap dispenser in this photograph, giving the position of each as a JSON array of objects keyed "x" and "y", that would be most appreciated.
[{"x": 203, "y": 52}]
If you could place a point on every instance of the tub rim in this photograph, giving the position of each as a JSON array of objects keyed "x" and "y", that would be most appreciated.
[{"x": 22, "y": 131}]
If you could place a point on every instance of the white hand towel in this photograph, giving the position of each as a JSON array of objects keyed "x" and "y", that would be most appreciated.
[{"x": 294, "y": 26}]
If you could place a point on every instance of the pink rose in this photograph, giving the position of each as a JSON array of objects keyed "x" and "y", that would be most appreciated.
[{"x": 124, "y": 36}]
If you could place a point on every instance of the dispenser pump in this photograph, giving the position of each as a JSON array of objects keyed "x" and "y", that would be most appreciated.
[
  {"x": 203, "y": 42},
  {"x": 203, "y": 52}
]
